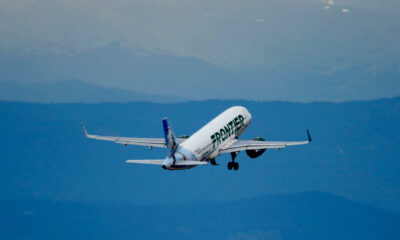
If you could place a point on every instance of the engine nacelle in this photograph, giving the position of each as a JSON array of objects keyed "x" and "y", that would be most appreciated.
[{"x": 256, "y": 153}]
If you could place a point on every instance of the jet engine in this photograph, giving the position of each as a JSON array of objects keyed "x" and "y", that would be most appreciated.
[{"x": 256, "y": 153}]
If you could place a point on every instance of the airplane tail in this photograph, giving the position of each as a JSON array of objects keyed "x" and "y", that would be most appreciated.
[{"x": 169, "y": 138}]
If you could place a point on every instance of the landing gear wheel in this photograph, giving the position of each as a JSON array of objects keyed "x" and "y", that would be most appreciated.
[
  {"x": 230, "y": 165},
  {"x": 236, "y": 166}
]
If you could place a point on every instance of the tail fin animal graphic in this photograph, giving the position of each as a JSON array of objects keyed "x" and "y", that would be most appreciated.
[{"x": 169, "y": 138}]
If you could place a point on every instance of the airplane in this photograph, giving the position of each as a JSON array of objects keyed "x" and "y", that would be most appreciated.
[{"x": 218, "y": 136}]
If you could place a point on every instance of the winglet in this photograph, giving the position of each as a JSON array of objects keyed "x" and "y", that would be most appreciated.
[
  {"x": 309, "y": 136},
  {"x": 84, "y": 129}
]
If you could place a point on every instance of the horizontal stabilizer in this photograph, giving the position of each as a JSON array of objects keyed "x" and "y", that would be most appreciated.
[
  {"x": 187, "y": 162},
  {"x": 161, "y": 161},
  {"x": 153, "y": 161}
]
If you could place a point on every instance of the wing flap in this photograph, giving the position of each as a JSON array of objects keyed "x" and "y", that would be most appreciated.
[{"x": 241, "y": 145}]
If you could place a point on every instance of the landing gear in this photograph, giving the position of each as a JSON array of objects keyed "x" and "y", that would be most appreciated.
[
  {"x": 233, "y": 164},
  {"x": 213, "y": 162},
  {"x": 230, "y": 165}
]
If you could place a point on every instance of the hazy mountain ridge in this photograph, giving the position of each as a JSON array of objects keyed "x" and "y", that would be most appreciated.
[
  {"x": 74, "y": 91},
  {"x": 311, "y": 215},
  {"x": 191, "y": 78}
]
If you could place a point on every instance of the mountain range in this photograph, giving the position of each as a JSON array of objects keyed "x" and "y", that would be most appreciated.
[
  {"x": 70, "y": 91},
  {"x": 115, "y": 66}
]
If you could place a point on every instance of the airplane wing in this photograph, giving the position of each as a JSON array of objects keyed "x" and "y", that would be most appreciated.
[
  {"x": 149, "y": 142},
  {"x": 241, "y": 145}
]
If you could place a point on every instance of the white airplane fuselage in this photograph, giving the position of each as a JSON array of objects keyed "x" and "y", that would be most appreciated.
[{"x": 206, "y": 143}]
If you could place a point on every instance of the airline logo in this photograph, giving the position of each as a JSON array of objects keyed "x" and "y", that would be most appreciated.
[{"x": 228, "y": 130}]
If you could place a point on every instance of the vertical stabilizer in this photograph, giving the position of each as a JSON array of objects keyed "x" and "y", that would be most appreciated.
[{"x": 169, "y": 138}]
